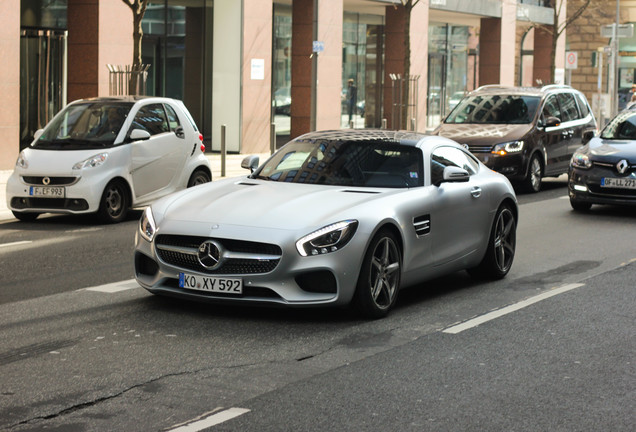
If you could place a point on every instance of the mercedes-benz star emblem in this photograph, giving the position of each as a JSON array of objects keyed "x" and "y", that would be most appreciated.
[
  {"x": 622, "y": 166},
  {"x": 209, "y": 254},
  {"x": 46, "y": 181},
  {"x": 466, "y": 146}
]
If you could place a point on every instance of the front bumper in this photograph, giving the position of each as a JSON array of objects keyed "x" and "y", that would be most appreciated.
[
  {"x": 585, "y": 186},
  {"x": 322, "y": 280},
  {"x": 511, "y": 165}
]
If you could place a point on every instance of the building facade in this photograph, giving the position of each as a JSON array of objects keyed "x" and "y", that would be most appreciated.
[{"x": 269, "y": 70}]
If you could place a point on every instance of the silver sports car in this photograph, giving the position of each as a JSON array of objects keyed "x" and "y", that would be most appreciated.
[{"x": 332, "y": 218}]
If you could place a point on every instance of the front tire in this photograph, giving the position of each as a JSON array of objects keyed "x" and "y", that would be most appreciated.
[
  {"x": 532, "y": 182},
  {"x": 501, "y": 247},
  {"x": 379, "y": 280},
  {"x": 25, "y": 216},
  {"x": 115, "y": 203}
]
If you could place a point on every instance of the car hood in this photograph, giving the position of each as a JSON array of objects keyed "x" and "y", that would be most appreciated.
[
  {"x": 56, "y": 162},
  {"x": 265, "y": 204},
  {"x": 483, "y": 134},
  {"x": 612, "y": 149}
]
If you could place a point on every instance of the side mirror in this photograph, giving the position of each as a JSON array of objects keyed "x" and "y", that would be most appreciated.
[
  {"x": 454, "y": 174},
  {"x": 552, "y": 121},
  {"x": 139, "y": 134},
  {"x": 250, "y": 163},
  {"x": 38, "y": 133},
  {"x": 179, "y": 132},
  {"x": 587, "y": 136}
]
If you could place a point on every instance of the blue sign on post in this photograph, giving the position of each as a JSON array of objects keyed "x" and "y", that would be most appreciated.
[{"x": 318, "y": 46}]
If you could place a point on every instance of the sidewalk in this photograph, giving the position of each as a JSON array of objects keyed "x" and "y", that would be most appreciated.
[{"x": 232, "y": 169}]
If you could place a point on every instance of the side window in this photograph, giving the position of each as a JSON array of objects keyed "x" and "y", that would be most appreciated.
[
  {"x": 173, "y": 118},
  {"x": 151, "y": 118},
  {"x": 569, "y": 109},
  {"x": 443, "y": 157},
  {"x": 551, "y": 108},
  {"x": 585, "y": 111}
]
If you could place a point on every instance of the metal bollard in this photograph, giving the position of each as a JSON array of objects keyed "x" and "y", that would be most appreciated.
[
  {"x": 272, "y": 138},
  {"x": 351, "y": 126},
  {"x": 384, "y": 123},
  {"x": 413, "y": 127},
  {"x": 223, "y": 152}
]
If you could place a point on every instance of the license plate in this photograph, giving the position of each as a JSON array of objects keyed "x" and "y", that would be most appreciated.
[
  {"x": 47, "y": 191},
  {"x": 211, "y": 284},
  {"x": 620, "y": 183}
]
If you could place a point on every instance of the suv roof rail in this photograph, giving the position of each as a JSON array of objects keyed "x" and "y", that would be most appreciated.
[
  {"x": 555, "y": 86},
  {"x": 491, "y": 86}
]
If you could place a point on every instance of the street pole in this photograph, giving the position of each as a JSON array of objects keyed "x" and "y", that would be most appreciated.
[{"x": 614, "y": 63}]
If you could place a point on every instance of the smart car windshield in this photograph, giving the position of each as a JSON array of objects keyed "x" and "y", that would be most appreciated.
[
  {"x": 621, "y": 127},
  {"x": 345, "y": 163},
  {"x": 84, "y": 126},
  {"x": 495, "y": 109}
]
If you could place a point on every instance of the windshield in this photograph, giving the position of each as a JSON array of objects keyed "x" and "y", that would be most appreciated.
[
  {"x": 495, "y": 109},
  {"x": 345, "y": 163},
  {"x": 84, "y": 126},
  {"x": 621, "y": 127}
]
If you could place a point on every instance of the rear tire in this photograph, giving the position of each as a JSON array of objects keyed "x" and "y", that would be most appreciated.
[
  {"x": 501, "y": 247},
  {"x": 198, "y": 177},
  {"x": 379, "y": 280},
  {"x": 115, "y": 203},
  {"x": 24, "y": 216}
]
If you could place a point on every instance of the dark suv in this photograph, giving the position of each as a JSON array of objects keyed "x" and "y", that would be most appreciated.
[{"x": 523, "y": 133}]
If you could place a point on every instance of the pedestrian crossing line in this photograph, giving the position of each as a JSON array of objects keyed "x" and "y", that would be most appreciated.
[
  {"x": 509, "y": 309},
  {"x": 211, "y": 420},
  {"x": 114, "y": 287}
]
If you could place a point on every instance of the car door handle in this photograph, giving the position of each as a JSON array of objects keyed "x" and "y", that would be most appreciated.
[{"x": 475, "y": 192}]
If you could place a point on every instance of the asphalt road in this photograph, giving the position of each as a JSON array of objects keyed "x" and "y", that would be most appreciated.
[{"x": 117, "y": 358}]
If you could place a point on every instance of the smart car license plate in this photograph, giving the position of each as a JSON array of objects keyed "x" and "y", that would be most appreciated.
[
  {"x": 47, "y": 191},
  {"x": 620, "y": 183},
  {"x": 211, "y": 284}
]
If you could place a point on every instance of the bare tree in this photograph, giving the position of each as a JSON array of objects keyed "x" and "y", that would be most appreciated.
[
  {"x": 408, "y": 6},
  {"x": 138, "y": 8}
]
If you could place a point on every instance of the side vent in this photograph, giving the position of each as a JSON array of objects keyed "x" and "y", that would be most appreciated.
[
  {"x": 247, "y": 184},
  {"x": 422, "y": 225}
]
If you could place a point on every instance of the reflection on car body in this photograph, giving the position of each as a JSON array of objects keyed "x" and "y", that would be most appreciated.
[{"x": 332, "y": 218}]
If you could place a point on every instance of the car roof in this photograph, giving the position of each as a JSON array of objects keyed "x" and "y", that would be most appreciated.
[
  {"x": 523, "y": 91},
  {"x": 123, "y": 99},
  {"x": 390, "y": 136}
]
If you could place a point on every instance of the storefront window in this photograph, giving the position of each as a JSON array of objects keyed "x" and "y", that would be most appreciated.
[
  {"x": 176, "y": 34},
  {"x": 281, "y": 70}
]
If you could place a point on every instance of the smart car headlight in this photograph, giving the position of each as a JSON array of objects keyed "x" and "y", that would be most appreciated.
[
  {"x": 581, "y": 160},
  {"x": 503, "y": 149},
  {"x": 21, "y": 162},
  {"x": 147, "y": 226},
  {"x": 91, "y": 162},
  {"x": 327, "y": 239}
]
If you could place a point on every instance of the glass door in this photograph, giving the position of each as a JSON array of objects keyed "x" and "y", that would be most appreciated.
[
  {"x": 42, "y": 79},
  {"x": 436, "y": 89}
]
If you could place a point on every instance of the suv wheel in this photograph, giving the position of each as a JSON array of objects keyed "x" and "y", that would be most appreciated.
[{"x": 532, "y": 182}]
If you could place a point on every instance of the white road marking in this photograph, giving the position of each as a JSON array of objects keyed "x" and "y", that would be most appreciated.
[
  {"x": 114, "y": 287},
  {"x": 508, "y": 309},
  {"x": 211, "y": 420},
  {"x": 18, "y": 243}
]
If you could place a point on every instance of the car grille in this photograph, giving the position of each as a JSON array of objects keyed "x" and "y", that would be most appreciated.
[
  {"x": 480, "y": 148},
  {"x": 241, "y": 257},
  {"x": 612, "y": 192},
  {"x": 53, "y": 181}
]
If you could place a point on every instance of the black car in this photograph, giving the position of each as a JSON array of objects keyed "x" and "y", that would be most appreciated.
[
  {"x": 604, "y": 170},
  {"x": 524, "y": 133}
]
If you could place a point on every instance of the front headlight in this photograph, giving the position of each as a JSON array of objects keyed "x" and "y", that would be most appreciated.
[
  {"x": 147, "y": 227},
  {"x": 21, "y": 162},
  {"x": 327, "y": 239},
  {"x": 510, "y": 147},
  {"x": 581, "y": 160},
  {"x": 91, "y": 162}
]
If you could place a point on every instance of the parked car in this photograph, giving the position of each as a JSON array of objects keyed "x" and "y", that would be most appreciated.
[
  {"x": 604, "y": 170},
  {"x": 524, "y": 133},
  {"x": 107, "y": 155},
  {"x": 332, "y": 218}
]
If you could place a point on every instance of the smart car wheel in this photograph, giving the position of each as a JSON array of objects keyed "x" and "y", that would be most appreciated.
[
  {"x": 113, "y": 207},
  {"x": 198, "y": 177},
  {"x": 379, "y": 279},
  {"x": 501, "y": 247},
  {"x": 532, "y": 182},
  {"x": 25, "y": 217}
]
